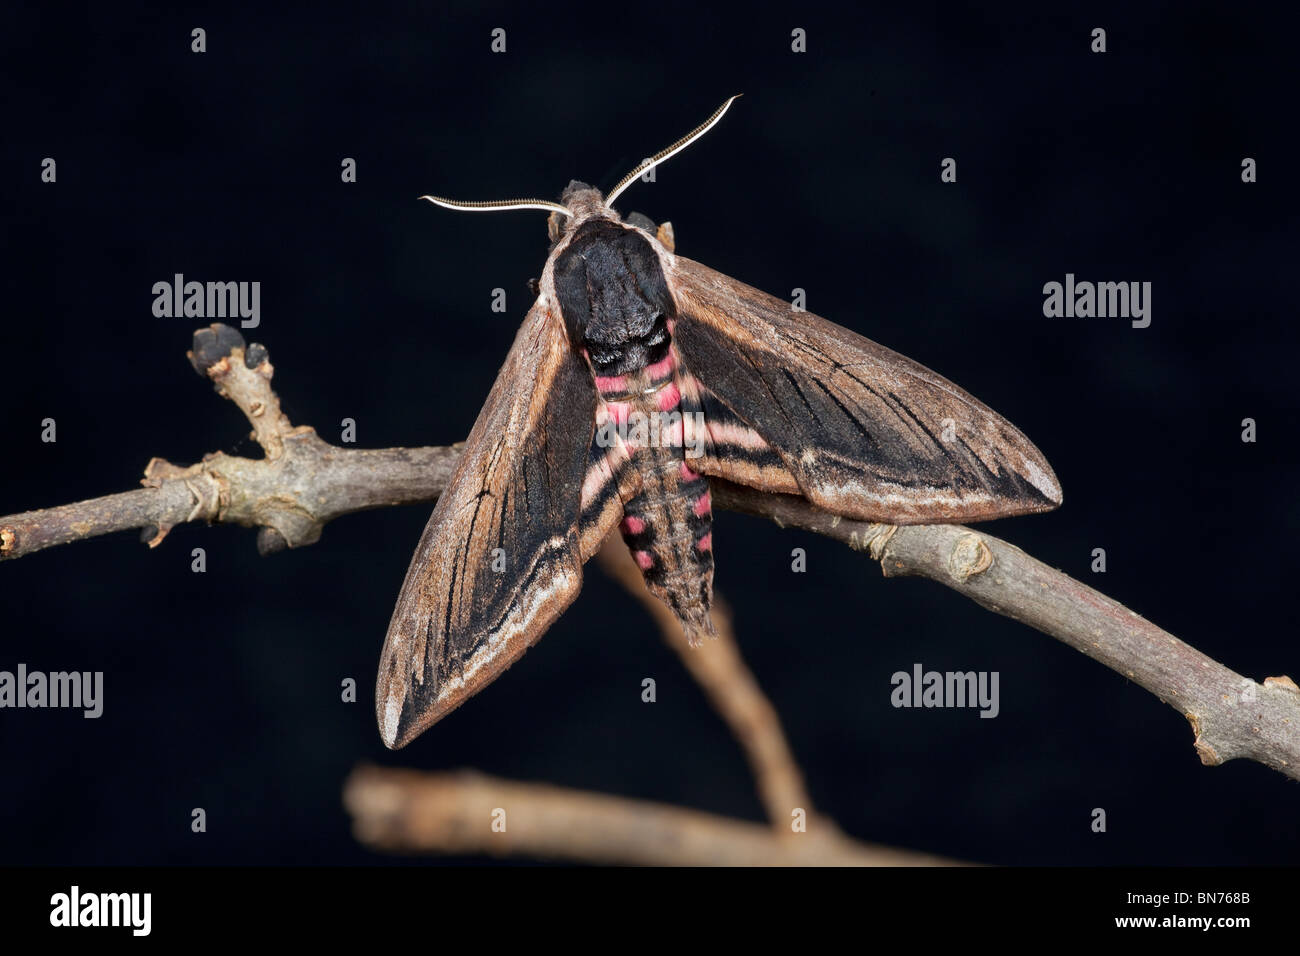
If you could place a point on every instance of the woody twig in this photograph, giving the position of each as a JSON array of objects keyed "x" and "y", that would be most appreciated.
[{"x": 406, "y": 811}]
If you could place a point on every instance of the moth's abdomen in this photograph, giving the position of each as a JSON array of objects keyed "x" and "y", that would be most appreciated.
[
  {"x": 668, "y": 529},
  {"x": 667, "y": 517}
]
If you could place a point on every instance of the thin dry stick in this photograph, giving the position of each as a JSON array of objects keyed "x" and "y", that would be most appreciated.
[
  {"x": 1230, "y": 715},
  {"x": 410, "y": 812},
  {"x": 731, "y": 688},
  {"x": 303, "y": 483}
]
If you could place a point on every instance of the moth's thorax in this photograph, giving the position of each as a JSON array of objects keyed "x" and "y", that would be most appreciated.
[{"x": 612, "y": 294}]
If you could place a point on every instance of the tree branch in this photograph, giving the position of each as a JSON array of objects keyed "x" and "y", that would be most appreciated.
[
  {"x": 300, "y": 485},
  {"x": 1230, "y": 715},
  {"x": 412, "y": 812},
  {"x": 303, "y": 483}
]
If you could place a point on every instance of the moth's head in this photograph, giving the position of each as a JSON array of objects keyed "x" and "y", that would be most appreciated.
[{"x": 580, "y": 202}]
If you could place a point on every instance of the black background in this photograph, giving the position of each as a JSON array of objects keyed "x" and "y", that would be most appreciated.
[{"x": 223, "y": 689}]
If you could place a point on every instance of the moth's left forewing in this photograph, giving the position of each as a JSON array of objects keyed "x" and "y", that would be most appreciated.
[
  {"x": 794, "y": 403},
  {"x": 501, "y": 556}
]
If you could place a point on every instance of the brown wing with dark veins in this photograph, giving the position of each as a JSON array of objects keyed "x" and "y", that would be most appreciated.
[
  {"x": 796, "y": 404},
  {"x": 502, "y": 554}
]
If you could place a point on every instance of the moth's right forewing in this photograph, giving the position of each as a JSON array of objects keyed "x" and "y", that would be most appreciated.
[
  {"x": 794, "y": 403},
  {"x": 501, "y": 556}
]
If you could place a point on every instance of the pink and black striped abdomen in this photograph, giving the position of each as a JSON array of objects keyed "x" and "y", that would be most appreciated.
[{"x": 667, "y": 517}]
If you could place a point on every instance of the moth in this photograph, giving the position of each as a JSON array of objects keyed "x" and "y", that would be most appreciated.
[{"x": 636, "y": 378}]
